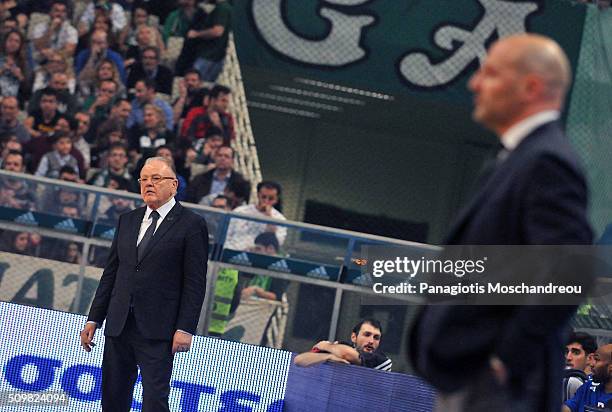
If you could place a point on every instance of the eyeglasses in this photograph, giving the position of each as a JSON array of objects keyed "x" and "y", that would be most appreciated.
[{"x": 154, "y": 179}]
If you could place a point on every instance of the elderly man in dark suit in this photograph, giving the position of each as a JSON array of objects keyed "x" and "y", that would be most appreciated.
[
  {"x": 150, "y": 293},
  {"x": 508, "y": 358}
]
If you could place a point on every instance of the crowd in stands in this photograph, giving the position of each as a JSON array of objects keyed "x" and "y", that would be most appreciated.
[{"x": 92, "y": 88}]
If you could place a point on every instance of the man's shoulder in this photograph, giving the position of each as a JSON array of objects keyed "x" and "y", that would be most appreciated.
[
  {"x": 203, "y": 177},
  {"x": 162, "y": 103},
  {"x": 191, "y": 217},
  {"x": 247, "y": 209},
  {"x": 277, "y": 214},
  {"x": 376, "y": 360}
]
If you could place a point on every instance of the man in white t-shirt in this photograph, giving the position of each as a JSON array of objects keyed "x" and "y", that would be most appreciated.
[
  {"x": 57, "y": 34},
  {"x": 241, "y": 233}
]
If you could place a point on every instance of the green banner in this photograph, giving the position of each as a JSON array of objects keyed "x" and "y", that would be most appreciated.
[{"x": 419, "y": 47}]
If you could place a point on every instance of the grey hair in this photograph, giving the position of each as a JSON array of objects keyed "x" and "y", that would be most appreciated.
[{"x": 163, "y": 160}]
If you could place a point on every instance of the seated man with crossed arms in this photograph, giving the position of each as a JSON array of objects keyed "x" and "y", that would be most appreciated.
[{"x": 362, "y": 350}]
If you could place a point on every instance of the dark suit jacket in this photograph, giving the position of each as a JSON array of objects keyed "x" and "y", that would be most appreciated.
[
  {"x": 537, "y": 196},
  {"x": 163, "y": 78},
  {"x": 200, "y": 185},
  {"x": 167, "y": 286}
]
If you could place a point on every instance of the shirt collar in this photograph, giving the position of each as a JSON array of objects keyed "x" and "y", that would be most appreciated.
[
  {"x": 163, "y": 210},
  {"x": 515, "y": 135},
  {"x": 226, "y": 178}
]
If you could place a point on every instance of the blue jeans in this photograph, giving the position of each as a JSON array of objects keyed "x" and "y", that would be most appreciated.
[{"x": 209, "y": 70}]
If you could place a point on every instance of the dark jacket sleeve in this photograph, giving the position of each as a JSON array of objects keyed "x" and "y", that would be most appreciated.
[
  {"x": 555, "y": 214},
  {"x": 194, "y": 276},
  {"x": 99, "y": 306}
]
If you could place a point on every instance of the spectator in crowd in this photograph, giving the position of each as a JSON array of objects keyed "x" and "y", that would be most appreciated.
[
  {"x": 580, "y": 351},
  {"x": 90, "y": 80},
  {"x": 55, "y": 35},
  {"x": 238, "y": 193},
  {"x": 242, "y": 233},
  {"x": 180, "y": 20},
  {"x": 595, "y": 394},
  {"x": 68, "y": 126},
  {"x": 56, "y": 63},
  {"x": 222, "y": 202},
  {"x": 57, "y": 197},
  {"x": 52, "y": 162},
  {"x": 579, "y": 354},
  {"x": 119, "y": 205},
  {"x": 41, "y": 125},
  {"x": 209, "y": 38},
  {"x": 264, "y": 287},
  {"x": 14, "y": 71},
  {"x": 83, "y": 120},
  {"x": 19, "y": 243},
  {"x": 10, "y": 143},
  {"x": 9, "y": 124},
  {"x": 7, "y": 25},
  {"x": 191, "y": 95},
  {"x": 165, "y": 151},
  {"x": 145, "y": 94},
  {"x": 363, "y": 349},
  {"x": 203, "y": 151},
  {"x": 108, "y": 135},
  {"x": 152, "y": 134},
  {"x": 119, "y": 113},
  {"x": 200, "y": 119},
  {"x": 42, "y": 122},
  {"x": 103, "y": 7},
  {"x": 90, "y": 58},
  {"x": 117, "y": 168},
  {"x": 16, "y": 193},
  {"x": 214, "y": 181},
  {"x": 99, "y": 105},
  {"x": 13, "y": 10},
  {"x": 103, "y": 23},
  {"x": 150, "y": 68},
  {"x": 129, "y": 35},
  {"x": 146, "y": 36},
  {"x": 66, "y": 101}
]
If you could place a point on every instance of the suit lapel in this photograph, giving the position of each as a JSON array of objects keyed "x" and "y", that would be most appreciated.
[{"x": 167, "y": 223}]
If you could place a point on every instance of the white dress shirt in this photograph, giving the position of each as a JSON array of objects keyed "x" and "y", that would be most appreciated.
[
  {"x": 163, "y": 211},
  {"x": 521, "y": 130}
]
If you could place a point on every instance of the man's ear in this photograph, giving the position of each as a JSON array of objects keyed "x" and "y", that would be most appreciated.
[{"x": 353, "y": 337}]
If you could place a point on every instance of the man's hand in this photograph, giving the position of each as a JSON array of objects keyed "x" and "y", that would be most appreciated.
[
  {"x": 323, "y": 345},
  {"x": 215, "y": 119},
  {"x": 56, "y": 23},
  {"x": 192, "y": 34},
  {"x": 182, "y": 89},
  {"x": 499, "y": 370},
  {"x": 87, "y": 335},
  {"x": 181, "y": 342}
]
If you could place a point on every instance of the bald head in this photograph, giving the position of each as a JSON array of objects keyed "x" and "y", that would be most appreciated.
[
  {"x": 605, "y": 352},
  {"x": 522, "y": 75},
  {"x": 537, "y": 55}
]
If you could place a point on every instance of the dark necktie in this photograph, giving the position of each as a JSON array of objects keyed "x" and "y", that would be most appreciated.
[{"x": 142, "y": 246}]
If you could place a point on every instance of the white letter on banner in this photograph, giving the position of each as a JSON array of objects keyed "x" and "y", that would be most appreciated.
[
  {"x": 502, "y": 16},
  {"x": 340, "y": 47}
]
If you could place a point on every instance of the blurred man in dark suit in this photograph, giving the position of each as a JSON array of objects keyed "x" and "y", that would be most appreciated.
[
  {"x": 150, "y": 293},
  {"x": 508, "y": 358}
]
